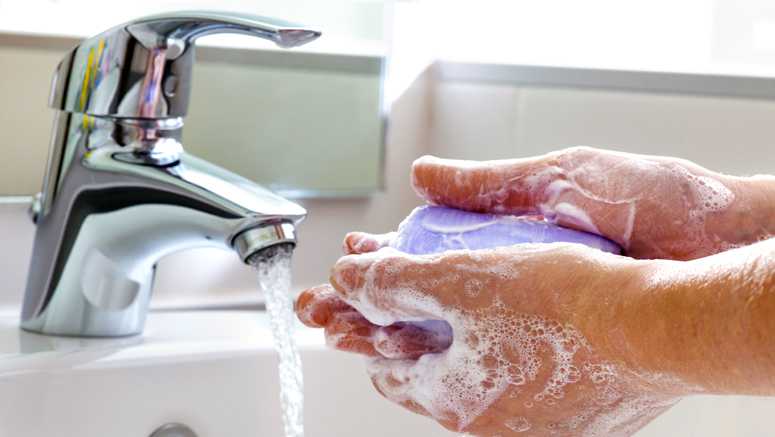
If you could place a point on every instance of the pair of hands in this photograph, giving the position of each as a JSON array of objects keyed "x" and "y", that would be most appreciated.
[{"x": 534, "y": 346}]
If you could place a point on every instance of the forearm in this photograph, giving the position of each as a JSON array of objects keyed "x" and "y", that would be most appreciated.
[{"x": 709, "y": 323}]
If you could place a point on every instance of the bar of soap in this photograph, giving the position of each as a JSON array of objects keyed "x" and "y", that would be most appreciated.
[{"x": 435, "y": 229}]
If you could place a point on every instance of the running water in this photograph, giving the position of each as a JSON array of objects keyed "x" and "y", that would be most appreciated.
[{"x": 274, "y": 279}]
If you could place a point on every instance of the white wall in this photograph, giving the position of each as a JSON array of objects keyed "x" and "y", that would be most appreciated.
[{"x": 477, "y": 120}]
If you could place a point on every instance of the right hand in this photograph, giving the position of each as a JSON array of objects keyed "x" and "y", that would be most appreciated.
[{"x": 654, "y": 207}]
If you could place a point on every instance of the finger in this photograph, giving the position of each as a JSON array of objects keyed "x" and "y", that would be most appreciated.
[
  {"x": 396, "y": 380},
  {"x": 349, "y": 331},
  {"x": 409, "y": 404},
  {"x": 315, "y": 306},
  {"x": 412, "y": 340},
  {"x": 504, "y": 186},
  {"x": 388, "y": 286},
  {"x": 418, "y": 386},
  {"x": 361, "y": 242}
]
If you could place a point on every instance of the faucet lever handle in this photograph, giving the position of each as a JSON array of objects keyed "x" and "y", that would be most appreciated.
[
  {"x": 142, "y": 68},
  {"x": 168, "y": 31}
]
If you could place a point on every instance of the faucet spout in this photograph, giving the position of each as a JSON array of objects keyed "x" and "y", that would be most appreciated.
[{"x": 118, "y": 210}]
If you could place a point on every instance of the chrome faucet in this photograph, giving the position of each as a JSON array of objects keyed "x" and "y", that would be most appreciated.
[{"x": 120, "y": 192}]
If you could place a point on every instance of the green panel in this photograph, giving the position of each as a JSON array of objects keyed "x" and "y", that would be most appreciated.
[{"x": 290, "y": 125}]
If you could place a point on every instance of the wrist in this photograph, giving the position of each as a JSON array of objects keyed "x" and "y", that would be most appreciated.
[
  {"x": 706, "y": 323},
  {"x": 623, "y": 317}
]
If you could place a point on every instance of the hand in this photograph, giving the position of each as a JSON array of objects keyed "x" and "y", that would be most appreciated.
[
  {"x": 619, "y": 374},
  {"x": 654, "y": 207},
  {"x": 530, "y": 337}
]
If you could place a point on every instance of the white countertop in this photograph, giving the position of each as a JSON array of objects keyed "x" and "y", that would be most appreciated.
[{"x": 169, "y": 336}]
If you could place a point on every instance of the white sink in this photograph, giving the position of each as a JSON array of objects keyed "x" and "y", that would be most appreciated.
[{"x": 215, "y": 371}]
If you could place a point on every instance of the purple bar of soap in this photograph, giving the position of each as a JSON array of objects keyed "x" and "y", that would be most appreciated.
[{"x": 434, "y": 229}]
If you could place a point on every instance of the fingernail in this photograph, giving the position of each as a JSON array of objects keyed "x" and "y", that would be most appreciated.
[
  {"x": 306, "y": 307},
  {"x": 353, "y": 242}
]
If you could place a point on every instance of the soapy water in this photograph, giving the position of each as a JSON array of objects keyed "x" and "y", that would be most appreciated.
[{"x": 274, "y": 279}]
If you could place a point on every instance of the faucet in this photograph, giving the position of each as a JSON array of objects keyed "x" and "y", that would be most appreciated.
[{"x": 120, "y": 192}]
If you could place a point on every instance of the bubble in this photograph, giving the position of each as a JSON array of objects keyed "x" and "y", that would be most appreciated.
[
  {"x": 518, "y": 424},
  {"x": 472, "y": 288},
  {"x": 712, "y": 194}
]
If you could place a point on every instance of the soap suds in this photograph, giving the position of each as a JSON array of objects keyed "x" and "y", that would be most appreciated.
[
  {"x": 575, "y": 215},
  {"x": 518, "y": 424},
  {"x": 460, "y": 383}
]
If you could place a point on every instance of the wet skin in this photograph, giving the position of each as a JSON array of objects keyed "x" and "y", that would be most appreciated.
[{"x": 634, "y": 335}]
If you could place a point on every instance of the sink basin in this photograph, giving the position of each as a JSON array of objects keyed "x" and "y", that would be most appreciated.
[{"x": 215, "y": 371}]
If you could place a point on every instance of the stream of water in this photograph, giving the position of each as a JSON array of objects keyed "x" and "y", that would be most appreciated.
[{"x": 274, "y": 279}]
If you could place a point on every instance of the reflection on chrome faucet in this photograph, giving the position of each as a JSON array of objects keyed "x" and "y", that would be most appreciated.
[{"x": 120, "y": 192}]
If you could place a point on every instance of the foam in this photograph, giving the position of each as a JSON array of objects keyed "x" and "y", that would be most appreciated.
[
  {"x": 706, "y": 196},
  {"x": 412, "y": 305},
  {"x": 457, "y": 228},
  {"x": 573, "y": 214},
  {"x": 628, "y": 416},
  {"x": 472, "y": 288},
  {"x": 713, "y": 195},
  {"x": 628, "y": 228},
  {"x": 518, "y": 424},
  {"x": 460, "y": 383}
]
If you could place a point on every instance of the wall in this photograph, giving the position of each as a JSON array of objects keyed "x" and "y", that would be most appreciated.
[{"x": 506, "y": 120}]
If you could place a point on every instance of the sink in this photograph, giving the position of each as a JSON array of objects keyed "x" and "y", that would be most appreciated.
[{"x": 215, "y": 371}]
